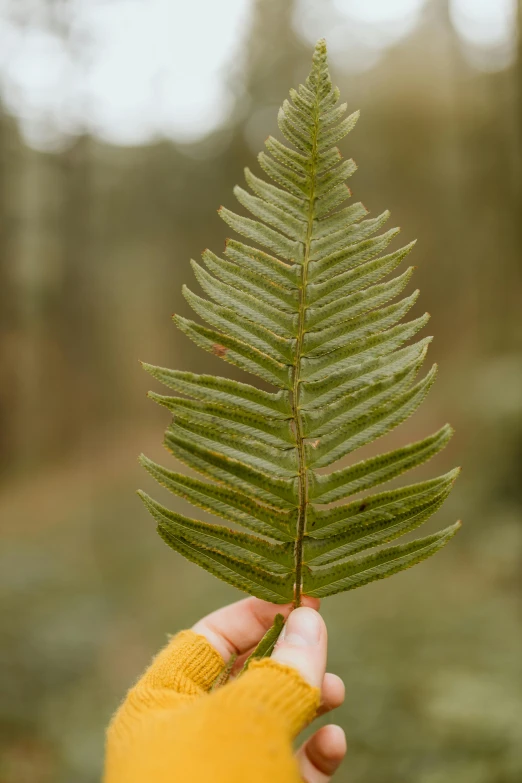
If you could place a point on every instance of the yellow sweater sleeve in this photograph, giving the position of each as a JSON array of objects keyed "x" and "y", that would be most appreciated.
[{"x": 170, "y": 728}]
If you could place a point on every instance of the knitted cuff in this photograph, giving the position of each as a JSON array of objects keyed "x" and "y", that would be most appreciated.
[
  {"x": 279, "y": 689},
  {"x": 187, "y": 657}
]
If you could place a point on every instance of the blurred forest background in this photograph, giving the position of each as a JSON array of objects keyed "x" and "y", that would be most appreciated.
[{"x": 106, "y": 192}]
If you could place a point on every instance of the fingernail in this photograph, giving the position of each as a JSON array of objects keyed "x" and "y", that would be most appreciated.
[{"x": 303, "y": 628}]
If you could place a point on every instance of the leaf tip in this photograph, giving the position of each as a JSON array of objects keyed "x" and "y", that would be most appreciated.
[
  {"x": 448, "y": 429},
  {"x": 159, "y": 398},
  {"x": 320, "y": 51}
]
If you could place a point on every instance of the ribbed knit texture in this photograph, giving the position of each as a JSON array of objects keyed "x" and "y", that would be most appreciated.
[{"x": 169, "y": 728}]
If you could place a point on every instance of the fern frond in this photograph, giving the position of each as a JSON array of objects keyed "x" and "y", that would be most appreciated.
[{"x": 307, "y": 308}]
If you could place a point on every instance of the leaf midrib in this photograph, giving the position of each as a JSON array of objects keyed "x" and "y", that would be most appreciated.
[{"x": 300, "y": 436}]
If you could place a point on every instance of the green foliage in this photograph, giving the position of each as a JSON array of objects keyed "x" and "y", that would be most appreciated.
[
  {"x": 267, "y": 643},
  {"x": 312, "y": 318}
]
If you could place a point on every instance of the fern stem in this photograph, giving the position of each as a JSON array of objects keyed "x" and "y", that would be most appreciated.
[{"x": 303, "y": 478}]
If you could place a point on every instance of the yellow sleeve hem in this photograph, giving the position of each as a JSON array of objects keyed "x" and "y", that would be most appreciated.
[
  {"x": 280, "y": 690},
  {"x": 188, "y": 659}
]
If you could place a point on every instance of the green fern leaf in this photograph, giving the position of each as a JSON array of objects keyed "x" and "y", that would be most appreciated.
[
  {"x": 308, "y": 309},
  {"x": 268, "y": 642}
]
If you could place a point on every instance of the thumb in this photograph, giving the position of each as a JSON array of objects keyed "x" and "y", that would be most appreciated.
[{"x": 302, "y": 645}]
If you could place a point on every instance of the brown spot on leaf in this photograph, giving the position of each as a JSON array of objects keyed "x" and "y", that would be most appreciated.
[
  {"x": 314, "y": 444},
  {"x": 219, "y": 350}
]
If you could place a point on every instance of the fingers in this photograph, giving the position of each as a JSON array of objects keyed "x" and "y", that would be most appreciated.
[
  {"x": 320, "y": 756},
  {"x": 332, "y": 693},
  {"x": 238, "y": 627},
  {"x": 302, "y": 645}
]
